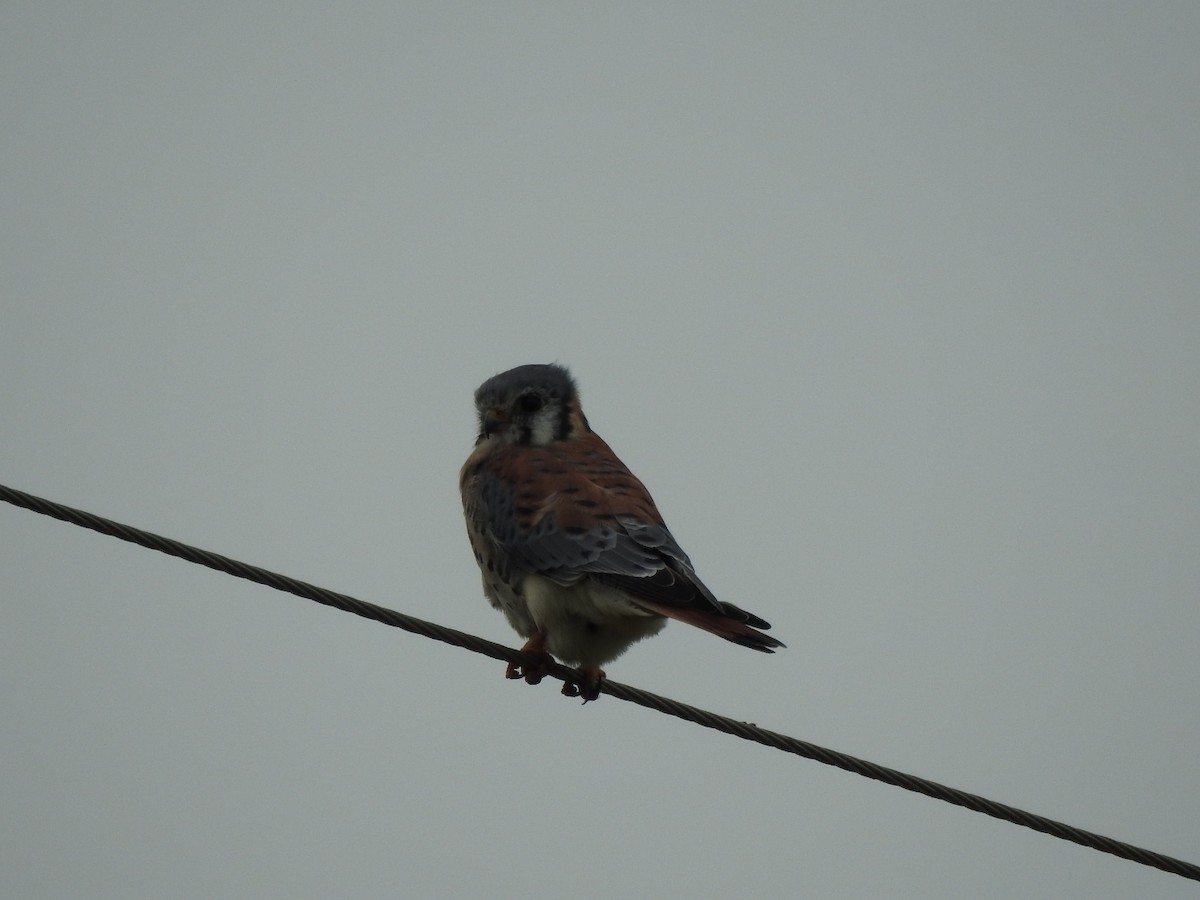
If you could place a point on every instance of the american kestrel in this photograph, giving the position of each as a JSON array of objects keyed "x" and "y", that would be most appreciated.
[{"x": 572, "y": 548}]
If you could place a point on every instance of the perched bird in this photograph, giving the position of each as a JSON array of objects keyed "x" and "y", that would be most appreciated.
[{"x": 572, "y": 548}]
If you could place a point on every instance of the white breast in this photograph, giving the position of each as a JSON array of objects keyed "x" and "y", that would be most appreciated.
[{"x": 587, "y": 623}]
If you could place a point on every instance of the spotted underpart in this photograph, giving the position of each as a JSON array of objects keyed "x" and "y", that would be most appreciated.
[{"x": 569, "y": 541}]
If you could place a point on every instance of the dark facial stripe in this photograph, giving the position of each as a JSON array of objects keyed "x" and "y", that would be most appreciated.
[{"x": 563, "y": 425}]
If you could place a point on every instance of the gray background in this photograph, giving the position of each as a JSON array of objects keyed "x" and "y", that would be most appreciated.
[{"x": 894, "y": 308}]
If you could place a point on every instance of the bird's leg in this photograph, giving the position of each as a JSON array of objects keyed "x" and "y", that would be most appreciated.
[
  {"x": 589, "y": 686},
  {"x": 535, "y": 673}
]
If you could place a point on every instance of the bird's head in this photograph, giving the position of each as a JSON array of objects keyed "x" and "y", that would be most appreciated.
[{"x": 529, "y": 405}]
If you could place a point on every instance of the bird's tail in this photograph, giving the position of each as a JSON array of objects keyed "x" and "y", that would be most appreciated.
[{"x": 732, "y": 623}]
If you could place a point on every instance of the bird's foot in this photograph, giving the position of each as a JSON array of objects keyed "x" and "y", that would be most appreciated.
[
  {"x": 588, "y": 687},
  {"x": 532, "y": 674},
  {"x": 535, "y": 672}
]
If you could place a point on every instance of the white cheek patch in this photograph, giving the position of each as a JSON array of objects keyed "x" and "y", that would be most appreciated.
[{"x": 542, "y": 428}]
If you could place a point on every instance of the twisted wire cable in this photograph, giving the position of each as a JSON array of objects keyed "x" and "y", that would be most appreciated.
[{"x": 745, "y": 730}]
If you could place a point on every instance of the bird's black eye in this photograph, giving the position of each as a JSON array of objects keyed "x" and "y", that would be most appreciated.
[{"x": 529, "y": 403}]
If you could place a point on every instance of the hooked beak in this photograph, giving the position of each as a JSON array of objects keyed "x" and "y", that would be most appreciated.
[{"x": 492, "y": 420}]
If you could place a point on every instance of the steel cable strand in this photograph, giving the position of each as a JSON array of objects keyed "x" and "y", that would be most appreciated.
[{"x": 745, "y": 730}]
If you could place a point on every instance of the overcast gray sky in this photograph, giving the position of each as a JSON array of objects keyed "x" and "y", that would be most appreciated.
[{"x": 893, "y": 307}]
